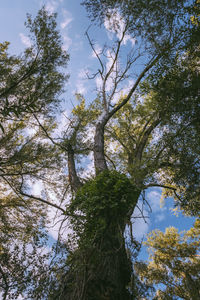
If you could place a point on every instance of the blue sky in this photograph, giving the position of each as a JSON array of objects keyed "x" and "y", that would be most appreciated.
[{"x": 72, "y": 23}]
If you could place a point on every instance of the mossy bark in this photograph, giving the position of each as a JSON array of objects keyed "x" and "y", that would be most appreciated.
[{"x": 99, "y": 268}]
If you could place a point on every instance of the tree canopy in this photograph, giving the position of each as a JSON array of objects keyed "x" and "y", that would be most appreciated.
[
  {"x": 174, "y": 263},
  {"x": 143, "y": 136}
]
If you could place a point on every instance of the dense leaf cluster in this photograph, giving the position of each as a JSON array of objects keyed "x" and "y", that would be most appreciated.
[
  {"x": 174, "y": 263},
  {"x": 108, "y": 196}
]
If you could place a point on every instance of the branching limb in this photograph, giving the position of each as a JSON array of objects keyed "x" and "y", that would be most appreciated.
[
  {"x": 21, "y": 193},
  {"x": 132, "y": 90},
  {"x": 140, "y": 147},
  {"x": 73, "y": 177}
]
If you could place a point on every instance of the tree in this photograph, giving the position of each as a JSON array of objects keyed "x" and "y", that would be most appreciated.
[
  {"x": 174, "y": 263},
  {"x": 30, "y": 87},
  {"x": 145, "y": 133}
]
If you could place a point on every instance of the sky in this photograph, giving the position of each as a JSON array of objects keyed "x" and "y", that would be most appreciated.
[{"x": 73, "y": 23}]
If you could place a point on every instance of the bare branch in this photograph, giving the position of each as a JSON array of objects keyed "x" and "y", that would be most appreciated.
[
  {"x": 140, "y": 147},
  {"x": 21, "y": 193},
  {"x": 110, "y": 160},
  {"x": 132, "y": 90},
  {"x": 95, "y": 52},
  {"x": 160, "y": 185},
  {"x": 43, "y": 201}
]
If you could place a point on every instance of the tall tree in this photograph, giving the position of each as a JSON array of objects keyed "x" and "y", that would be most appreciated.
[
  {"x": 152, "y": 139},
  {"x": 30, "y": 87}
]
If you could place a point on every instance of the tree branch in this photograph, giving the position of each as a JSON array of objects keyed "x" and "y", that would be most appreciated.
[
  {"x": 132, "y": 90},
  {"x": 43, "y": 201}
]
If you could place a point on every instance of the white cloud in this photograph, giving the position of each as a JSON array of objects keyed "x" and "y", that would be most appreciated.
[
  {"x": 36, "y": 188},
  {"x": 159, "y": 217},
  {"x": 98, "y": 81},
  {"x": 140, "y": 225},
  {"x": 67, "y": 41},
  {"x": 82, "y": 74},
  {"x": 115, "y": 24},
  {"x": 67, "y": 19},
  {"x": 140, "y": 229},
  {"x": 51, "y": 6},
  {"x": 80, "y": 88},
  {"x": 88, "y": 163},
  {"x": 153, "y": 198},
  {"x": 128, "y": 87},
  {"x": 25, "y": 40}
]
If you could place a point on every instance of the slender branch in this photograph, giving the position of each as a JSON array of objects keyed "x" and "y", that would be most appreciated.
[
  {"x": 142, "y": 74},
  {"x": 95, "y": 52},
  {"x": 142, "y": 143},
  {"x": 48, "y": 136},
  {"x": 21, "y": 193},
  {"x": 43, "y": 201},
  {"x": 26, "y": 75},
  {"x": 110, "y": 160},
  {"x": 114, "y": 62},
  {"x": 160, "y": 185},
  {"x": 142, "y": 215}
]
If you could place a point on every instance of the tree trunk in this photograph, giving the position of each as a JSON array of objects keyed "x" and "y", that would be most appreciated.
[
  {"x": 73, "y": 178},
  {"x": 99, "y": 269},
  {"x": 99, "y": 157}
]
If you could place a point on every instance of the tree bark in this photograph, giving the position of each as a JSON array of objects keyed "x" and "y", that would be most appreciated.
[
  {"x": 99, "y": 156},
  {"x": 74, "y": 180},
  {"x": 100, "y": 269}
]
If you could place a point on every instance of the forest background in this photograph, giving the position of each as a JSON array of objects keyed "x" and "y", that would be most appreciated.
[{"x": 71, "y": 17}]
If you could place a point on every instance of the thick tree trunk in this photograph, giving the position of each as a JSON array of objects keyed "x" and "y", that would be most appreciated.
[{"x": 99, "y": 269}]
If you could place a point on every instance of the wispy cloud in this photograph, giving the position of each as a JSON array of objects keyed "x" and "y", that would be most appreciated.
[
  {"x": 25, "y": 40},
  {"x": 160, "y": 217},
  {"x": 67, "y": 41},
  {"x": 115, "y": 25},
  {"x": 99, "y": 82},
  {"x": 153, "y": 198},
  {"x": 82, "y": 74},
  {"x": 51, "y": 6},
  {"x": 67, "y": 19},
  {"x": 140, "y": 225},
  {"x": 80, "y": 88}
]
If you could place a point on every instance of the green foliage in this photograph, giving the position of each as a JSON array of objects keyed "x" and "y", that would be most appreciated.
[
  {"x": 169, "y": 105},
  {"x": 32, "y": 82},
  {"x": 108, "y": 190},
  {"x": 100, "y": 208},
  {"x": 174, "y": 262},
  {"x": 156, "y": 139},
  {"x": 30, "y": 87},
  {"x": 103, "y": 200},
  {"x": 149, "y": 20}
]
